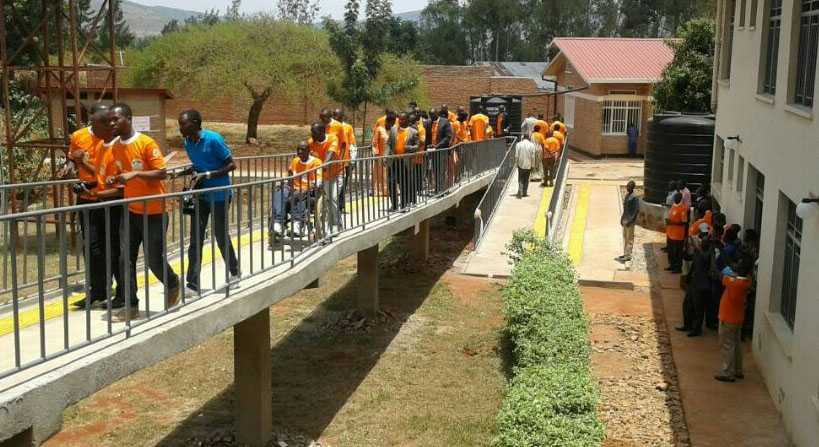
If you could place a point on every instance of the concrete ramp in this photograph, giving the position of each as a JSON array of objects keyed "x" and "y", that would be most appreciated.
[{"x": 489, "y": 258}]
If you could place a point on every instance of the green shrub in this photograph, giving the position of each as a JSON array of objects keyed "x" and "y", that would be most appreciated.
[{"x": 552, "y": 399}]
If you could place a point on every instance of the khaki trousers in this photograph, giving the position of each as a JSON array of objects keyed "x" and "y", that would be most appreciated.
[
  {"x": 730, "y": 348},
  {"x": 628, "y": 240}
]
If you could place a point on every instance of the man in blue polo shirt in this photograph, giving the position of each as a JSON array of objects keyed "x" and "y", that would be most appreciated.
[{"x": 212, "y": 162}]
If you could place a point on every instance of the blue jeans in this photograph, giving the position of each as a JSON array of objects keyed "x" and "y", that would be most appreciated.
[{"x": 286, "y": 199}]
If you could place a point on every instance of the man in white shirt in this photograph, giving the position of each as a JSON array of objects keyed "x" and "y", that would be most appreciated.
[{"x": 525, "y": 158}]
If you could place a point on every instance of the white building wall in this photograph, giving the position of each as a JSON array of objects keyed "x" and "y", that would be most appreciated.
[{"x": 781, "y": 142}]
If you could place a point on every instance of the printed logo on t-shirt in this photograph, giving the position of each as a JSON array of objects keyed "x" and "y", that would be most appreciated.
[
  {"x": 156, "y": 153},
  {"x": 136, "y": 165}
]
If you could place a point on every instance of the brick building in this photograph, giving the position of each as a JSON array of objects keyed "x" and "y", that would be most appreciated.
[{"x": 609, "y": 81}]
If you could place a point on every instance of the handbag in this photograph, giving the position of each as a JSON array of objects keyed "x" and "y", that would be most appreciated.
[{"x": 188, "y": 205}]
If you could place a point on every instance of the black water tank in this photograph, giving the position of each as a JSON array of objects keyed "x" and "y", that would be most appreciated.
[
  {"x": 680, "y": 147},
  {"x": 514, "y": 108}
]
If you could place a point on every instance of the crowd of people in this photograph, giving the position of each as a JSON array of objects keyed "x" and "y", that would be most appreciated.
[
  {"x": 539, "y": 149},
  {"x": 113, "y": 161},
  {"x": 717, "y": 263}
]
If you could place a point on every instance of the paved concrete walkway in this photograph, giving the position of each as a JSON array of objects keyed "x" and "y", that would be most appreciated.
[
  {"x": 718, "y": 414},
  {"x": 489, "y": 259}
]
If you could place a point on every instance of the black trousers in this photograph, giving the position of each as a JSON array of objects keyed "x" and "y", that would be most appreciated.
[
  {"x": 712, "y": 304},
  {"x": 548, "y": 170},
  {"x": 219, "y": 211},
  {"x": 675, "y": 254},
  {"x": 523, "y": 181},
  {"x": 439, "y": 170},
  {"x": 92, "y": 225},
  {"x": 148, "y": 229},
  {"x": 694, "y": 308},
  {"x": 399, "y": 177},
  {"x": 348, "y": 171}
]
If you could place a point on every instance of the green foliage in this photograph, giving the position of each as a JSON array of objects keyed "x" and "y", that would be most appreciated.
[
  {"x": 552, "y": 399},
  {"x": 686, "y": 83},
  {"x": 122, "y": 34},
  {"x": 28, "y": 111},
  {"x": 250, "y": 60},
  {"x": 297, "y": 11}
]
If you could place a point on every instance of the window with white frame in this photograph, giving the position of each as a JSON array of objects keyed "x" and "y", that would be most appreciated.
[
  {"x": 806, "y": 56},
  {"x": 752, "y": 18},
  {"x": 728, "y": 40},
  {"x": 568, "y": 110},
  {"x": 771, "y": 46},
  {"x": 790, "y": 266},
  {"x": 618, "y": 116},
  {"x": 719, "y": 160},
  {"x": 742, "y": 4},
  {"x": 740, "y": 173}
]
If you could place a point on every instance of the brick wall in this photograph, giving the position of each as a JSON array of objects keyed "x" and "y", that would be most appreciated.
[{"x": 444, "y": 84}]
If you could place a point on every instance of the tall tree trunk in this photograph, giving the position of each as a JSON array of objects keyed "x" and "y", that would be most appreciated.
[{"x": 253, "y": 115}]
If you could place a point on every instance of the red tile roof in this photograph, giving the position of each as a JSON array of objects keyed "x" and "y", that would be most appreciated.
[{"x": 611, "y": 60}]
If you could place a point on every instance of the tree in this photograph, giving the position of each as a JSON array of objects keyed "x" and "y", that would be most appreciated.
[
  {"x": 443, "y": 37},
  {"x": 232, "y": 12},
  {"x": 402, "y": 37},
  {"x": 122, "y": 33},
  {"x": 251, "y": 60},
  {"x": 171, "y": 27},
  {"x": 686, "y": 82},
  {"x": 297, "y": 11}
]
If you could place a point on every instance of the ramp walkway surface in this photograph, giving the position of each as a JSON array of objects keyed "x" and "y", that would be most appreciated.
[{"x": 489, "y": 258}]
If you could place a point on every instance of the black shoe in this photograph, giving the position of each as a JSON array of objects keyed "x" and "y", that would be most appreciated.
[
  {"x": 682, "y": 329},
  {"x": 725, "y": 379},
  {"x": 119, "y": 303},
  {"x": 695, "y": 334},
  {"x": 620, "y": 259},
  {"x": 82, "y": 303}
]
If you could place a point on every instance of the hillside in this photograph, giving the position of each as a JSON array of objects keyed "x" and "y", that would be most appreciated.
[{"x": 149, "y": 20}]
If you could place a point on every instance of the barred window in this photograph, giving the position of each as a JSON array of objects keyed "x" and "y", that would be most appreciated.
[
  {"x": 772, "y": 46},
  {"x": 719, "y": 160},
  {"x": 619, "y": 115},
  {"x": 752, "y": 19},
  {"x": 806, "y": 59},
  {"x": 790, "y": 274},
  {"x": 728, "y": 43}
]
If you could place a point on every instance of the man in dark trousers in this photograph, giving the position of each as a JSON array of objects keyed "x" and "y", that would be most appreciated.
[
  {"x": 443, "y": 142},
  {"x": 631, "y": 209}
]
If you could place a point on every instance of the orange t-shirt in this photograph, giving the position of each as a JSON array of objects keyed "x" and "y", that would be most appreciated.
[
  {"x": 695, "y": 228},
  {"x": 140, "y": 153},
  {"x": 561, "y": 126},
  {"x": 381, "y": 122},
  {"x": 540, "y": 140},
  {"x": 732, "y": 304},
  {"x": 544, "y": 127},
  {"x": 552, "y": 145},
  {"x": 461, "y": 131},
  {"x": 422, "y": 133},
  {"x": 452, "y": 116},
  {"x": 560, "y": 136},
  {"x": 499, "y": 125},
  {"x": 337, "y": 129},
  {"x": 677, "y": 217},
  {"x": 434, "y": 139},
  {"x": 401, "y": 141},
  {"x": 309, "y": 180},
  {"x": 349, "y": 133},
  {"x": 85, "y": 140},
  {"x": 380, "y": 138},
  {"x": 477, "y": 125},
  {"x": 322, "y": 151}
]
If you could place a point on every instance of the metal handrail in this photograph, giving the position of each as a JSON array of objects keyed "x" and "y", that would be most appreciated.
[
  {"x": 412, "y": 180},
  {"x": 555, "y": 210},
  {"x": 491, "y": 199}
]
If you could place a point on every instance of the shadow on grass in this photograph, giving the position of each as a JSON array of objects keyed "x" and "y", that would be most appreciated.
[{"x": 316, "y": 369}]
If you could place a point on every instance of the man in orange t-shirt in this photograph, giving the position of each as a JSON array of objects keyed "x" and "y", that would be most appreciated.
[
  {"x": 675, "y": 232},
  {"x": 87, "y": 149},
  {"x": 543, "y": 126},
  {"x": 460, "y": 129},
  {"x": 731, "y": 317},
  {"x": 477, "y": 125},
  {"x": 540, "y": 142},
  {"x": 403, "y": 140},
  {"x": 306, "y": 172},
  {"x": 142, "y": 171},
  {"x": 551, "y": 151},
  {"x": 324, "y": 146},
  {"x": 346, "y": 154}
]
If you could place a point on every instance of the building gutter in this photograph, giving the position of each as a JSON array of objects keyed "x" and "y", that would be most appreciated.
[{"x": 717, "y": 56}]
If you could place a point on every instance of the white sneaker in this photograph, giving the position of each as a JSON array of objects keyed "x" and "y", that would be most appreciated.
[
  {"x": 277, "y": 229},
  {"x": 298, "y": 229},
  {"x": 233, "y": 280}
]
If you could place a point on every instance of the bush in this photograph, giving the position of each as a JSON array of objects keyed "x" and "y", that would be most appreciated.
[{"x": 552, "y": 399}]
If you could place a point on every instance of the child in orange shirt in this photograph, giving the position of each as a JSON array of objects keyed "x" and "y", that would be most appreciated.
[{"x": 731, "y": 317}]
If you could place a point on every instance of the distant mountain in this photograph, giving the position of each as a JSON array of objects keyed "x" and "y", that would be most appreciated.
[
  {"x": 410, "y": 16},
  {"x": 148, "y": 20}
]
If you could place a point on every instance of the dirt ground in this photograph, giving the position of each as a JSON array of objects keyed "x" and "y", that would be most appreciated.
[{"x": 428, "y": 371}]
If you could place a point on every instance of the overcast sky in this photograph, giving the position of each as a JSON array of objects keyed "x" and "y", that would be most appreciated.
[{"x": 334, "y": 8}]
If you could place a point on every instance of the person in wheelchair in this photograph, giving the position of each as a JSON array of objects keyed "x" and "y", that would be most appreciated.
[{"x": 298, "y": 196}]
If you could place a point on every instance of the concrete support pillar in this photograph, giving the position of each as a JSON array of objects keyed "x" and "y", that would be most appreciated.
[
  {"x": 368, "y": 280},
  {"x": 420, "y": 242},
  {"x": 252, "y": 369}
]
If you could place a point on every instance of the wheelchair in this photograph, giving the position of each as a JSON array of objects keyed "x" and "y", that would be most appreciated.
[{"x": 311, "y": 231}]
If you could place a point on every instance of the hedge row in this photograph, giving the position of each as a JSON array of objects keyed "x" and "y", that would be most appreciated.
[{"x": 552, "y": 399}]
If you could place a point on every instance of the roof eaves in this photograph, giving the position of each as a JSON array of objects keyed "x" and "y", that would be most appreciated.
[{"x": 624, "y": 81}]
